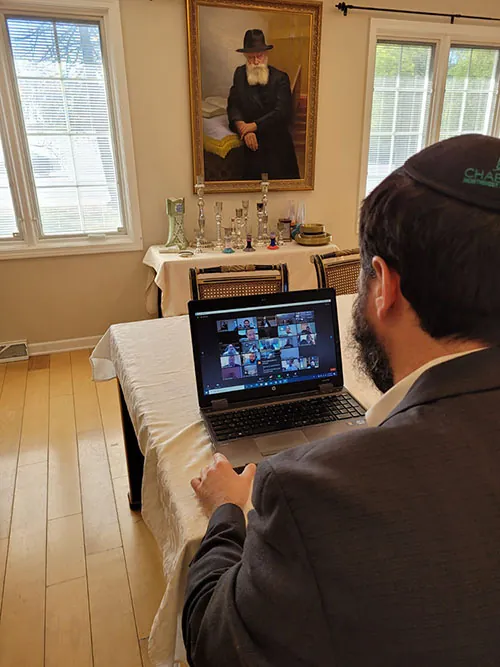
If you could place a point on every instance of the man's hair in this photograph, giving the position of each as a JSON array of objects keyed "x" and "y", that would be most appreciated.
[{"x": 446, "y": 253}]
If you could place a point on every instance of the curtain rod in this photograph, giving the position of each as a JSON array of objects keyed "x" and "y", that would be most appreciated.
[{"x": 344, "y": 8}]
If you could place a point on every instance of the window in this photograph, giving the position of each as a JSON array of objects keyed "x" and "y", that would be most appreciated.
[
  {"x": 62, "y": 110},
  {"x": 427, "y": 83}
]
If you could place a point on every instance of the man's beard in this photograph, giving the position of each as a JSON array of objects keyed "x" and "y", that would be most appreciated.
[
  {"x": 258, "y": 75},
  {"x": 372, "y": 358}
]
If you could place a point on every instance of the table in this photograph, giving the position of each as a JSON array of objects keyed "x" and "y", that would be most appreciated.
[
  {"x": 153, "y": 363},
  {"x": 170, "y": 273}
]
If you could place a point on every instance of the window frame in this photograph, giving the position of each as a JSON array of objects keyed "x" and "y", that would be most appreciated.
[
  {"x": 442, "y": 36},
  {"x": 107, "y": 13}
]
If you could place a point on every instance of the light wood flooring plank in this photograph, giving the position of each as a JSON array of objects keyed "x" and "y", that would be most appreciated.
[
  {"x": 35, "y": 431},
  {"x": 10, "y": 434},
  {"x": 67, "y": 629},
  {"x": 11, "y": 418},
  {"x": 88, "y": 416},
  {"x": 107, "y": 393},
  {"x": 143, "y": 562},
  {"x": 22, "y": 624},
  {"x": 38, "y": 363},
  {"x": 61, "y": 383},
  {"x": 14, "y": 386},
  {"x": 65, "y": 553},
  {"x": 64, "y": 475},
  {"x": 112, "y": 620},
  {"x": 4, "y": 545},
  {"x": 100, "y": 520},
  {"x": 3, "y": 368},
  {"x": 146, "y": 662}
]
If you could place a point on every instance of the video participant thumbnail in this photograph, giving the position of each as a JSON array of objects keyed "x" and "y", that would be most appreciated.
[
  {"x": 287, "y": 330},
  {"x": 247, "y": 323},
  {"x": 309, "y": 363},
  {"x": 269, "y": 344},
  {"x": 229, "y": 349},
  {"x": 286, "y": 318},
  {"x": 292, "y": 364},
  {"x": 308, "y": 339},
  {"x": 250, "y": 335},
  {"x": 266, "y": 322},
  {"x": 305, "y": 316},
  {"x": 227, "y": 325},
  {"x": 289, "y": 342},
  {"x": 232, "y": 373},
  {"x": 306, "y": 328}
]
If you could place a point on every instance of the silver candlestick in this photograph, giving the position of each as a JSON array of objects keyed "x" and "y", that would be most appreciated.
[
  {"x": 219, "y": 245},
  {"x": 261, "y": 242},
  {"x": 239, "y": 245},
  {"x": 245, "y": 205},
  {"x": 264, "y": 188},
  {"x": 200, "y": 191}
]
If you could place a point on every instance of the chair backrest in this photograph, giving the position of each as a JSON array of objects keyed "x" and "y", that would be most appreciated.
[
  {"x": 238, "y": 280},
  {"x": 339, "y": 270}
]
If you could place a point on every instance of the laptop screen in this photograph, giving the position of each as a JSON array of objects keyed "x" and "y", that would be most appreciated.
[{"x": 248, "y": 347}]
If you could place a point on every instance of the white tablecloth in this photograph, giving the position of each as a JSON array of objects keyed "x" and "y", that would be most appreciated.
[
  {"x": 171, "y": 273},
  {"x": 153, "y": 362}
]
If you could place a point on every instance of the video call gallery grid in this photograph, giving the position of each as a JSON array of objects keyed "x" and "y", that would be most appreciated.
[{"x": 252, "y": 347}]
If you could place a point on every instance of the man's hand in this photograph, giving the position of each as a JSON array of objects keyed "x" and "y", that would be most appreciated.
[
  {"x": 219, "y": 484},
  {"x": 245, "y": 128},
  {"x": 251, "y": 141}
]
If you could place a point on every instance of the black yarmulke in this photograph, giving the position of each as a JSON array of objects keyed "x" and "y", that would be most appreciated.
[{"x": 466, "y": 168}]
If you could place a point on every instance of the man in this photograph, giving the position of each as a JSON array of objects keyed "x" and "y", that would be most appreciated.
[
  {"x": 259, "y": 109},
  {"x": 251, "y": 359},
  {"x": 380, "y": 547},
  {"x": 233, "y": 361}
]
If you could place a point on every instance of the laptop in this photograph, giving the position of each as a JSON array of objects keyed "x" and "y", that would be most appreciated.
[{"x": 269, "y": 372}]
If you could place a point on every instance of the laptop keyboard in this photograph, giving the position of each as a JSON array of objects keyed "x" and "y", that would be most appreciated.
[{"x": 283, "y": 416}]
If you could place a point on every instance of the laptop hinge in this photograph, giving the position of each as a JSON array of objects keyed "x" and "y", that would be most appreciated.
[
  {"x": 326, "y": 388},
  {"x": 220, "y": 404}
]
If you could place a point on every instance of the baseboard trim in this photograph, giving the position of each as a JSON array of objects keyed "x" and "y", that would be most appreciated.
[{"x": 68, "y": 345}]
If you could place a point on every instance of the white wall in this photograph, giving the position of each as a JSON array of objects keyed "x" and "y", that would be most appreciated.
[{"x": 64, "y": 297}]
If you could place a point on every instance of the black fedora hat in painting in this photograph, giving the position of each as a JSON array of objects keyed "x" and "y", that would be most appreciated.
[{"x": 254, "y": 42}]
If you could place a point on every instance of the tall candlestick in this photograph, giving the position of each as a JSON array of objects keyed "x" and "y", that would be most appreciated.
[{"x": 200, "y": 191}]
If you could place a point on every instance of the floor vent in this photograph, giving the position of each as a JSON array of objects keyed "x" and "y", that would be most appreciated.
[{"x": 15, "y": 351}]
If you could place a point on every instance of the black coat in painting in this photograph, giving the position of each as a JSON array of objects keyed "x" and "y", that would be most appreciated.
[{"x": 270, "y": 107}]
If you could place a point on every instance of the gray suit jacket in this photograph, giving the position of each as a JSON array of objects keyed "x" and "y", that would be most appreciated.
[{"x": 380, "y": 548}]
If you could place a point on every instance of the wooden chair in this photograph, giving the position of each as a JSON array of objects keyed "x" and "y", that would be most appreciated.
[
  {"x": 238, "y": 280},
  {"x": 339, "y": 269}
]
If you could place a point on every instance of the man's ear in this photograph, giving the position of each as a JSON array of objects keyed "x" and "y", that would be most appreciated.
[{"x": 386, "y": 287}]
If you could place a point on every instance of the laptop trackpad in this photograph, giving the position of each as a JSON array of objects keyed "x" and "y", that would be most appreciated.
[{"x": 278, "y": 442}]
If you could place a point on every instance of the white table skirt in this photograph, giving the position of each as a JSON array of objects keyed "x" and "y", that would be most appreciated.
[
  {"x": 153, "y": 362},
  {"x": 170, "y": 272}
]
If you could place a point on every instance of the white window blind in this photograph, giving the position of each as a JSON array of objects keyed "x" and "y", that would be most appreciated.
[
  {"x": 400, "y": 109},
  {"x": 8, "y": 226},
  {"x": 471, "y": 91},
  {"x": 62, "y": 88}
]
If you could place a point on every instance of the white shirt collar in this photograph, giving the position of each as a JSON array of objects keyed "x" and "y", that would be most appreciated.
[{"x": 391, "y": 399}]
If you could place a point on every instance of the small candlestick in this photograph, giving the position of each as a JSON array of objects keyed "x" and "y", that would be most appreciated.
[
  {"x": 249, "y": 247},
  {"x": 218, "y": 225},
  {"x": 261, "y": 241},
  {"x": 245, "y": 205},
  {"x": 273, "y": 245},
  {"x": 238, "y": 223},
  {"x": 228, "y": 240}
]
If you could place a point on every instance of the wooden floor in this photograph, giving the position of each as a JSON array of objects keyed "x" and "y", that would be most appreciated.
[{"x": 80, "y": 574}]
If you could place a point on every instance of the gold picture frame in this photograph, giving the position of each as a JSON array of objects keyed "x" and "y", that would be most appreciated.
[{"x": 219, "y": 157}]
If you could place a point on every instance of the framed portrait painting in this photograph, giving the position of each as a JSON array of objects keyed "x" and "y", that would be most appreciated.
[{"x": 254, "y": 71}]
